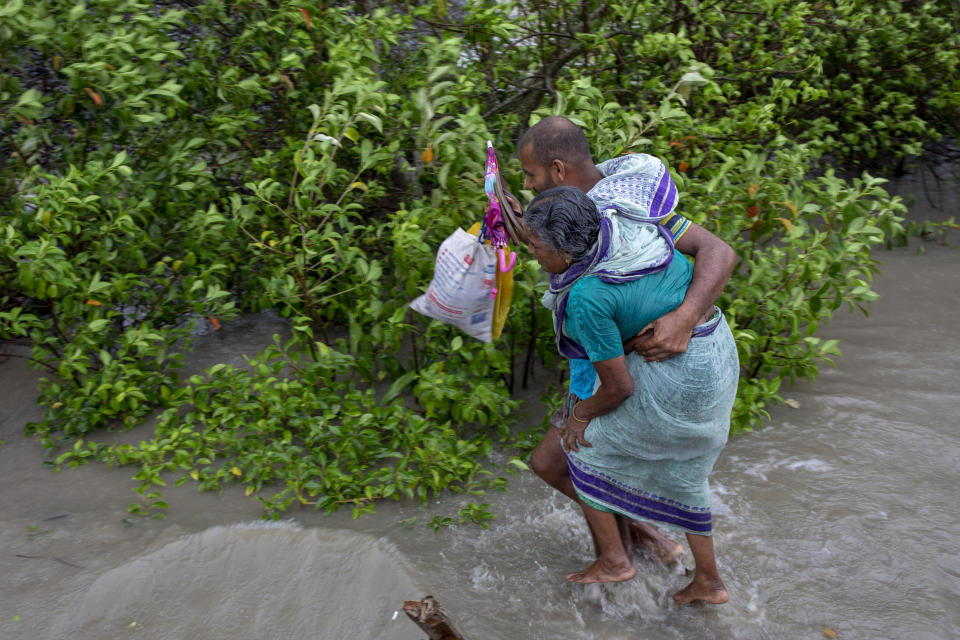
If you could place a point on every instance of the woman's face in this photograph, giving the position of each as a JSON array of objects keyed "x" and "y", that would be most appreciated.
[{"x": 550, "y": 260}]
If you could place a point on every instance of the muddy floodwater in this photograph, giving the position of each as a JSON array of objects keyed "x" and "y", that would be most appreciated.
[{"x": 841, "y": 516}]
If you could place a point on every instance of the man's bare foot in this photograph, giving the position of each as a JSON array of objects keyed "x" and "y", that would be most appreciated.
[
  {"x": 709, "y": 591},
  {"x": 601, "y": 571},
  {"x": 656, "y": 544}
]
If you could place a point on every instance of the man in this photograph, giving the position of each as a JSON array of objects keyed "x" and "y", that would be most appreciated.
[{"x": 555, "y": 152}]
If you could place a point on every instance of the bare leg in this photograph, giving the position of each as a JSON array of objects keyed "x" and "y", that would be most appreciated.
[
  {"x": 706, "y": 584},
  {"x": 548, "y": 462},
  {"x": 626, "y": 536},
  {"x": 612, "y": 563},
  {"x": 656, "y": 544}
]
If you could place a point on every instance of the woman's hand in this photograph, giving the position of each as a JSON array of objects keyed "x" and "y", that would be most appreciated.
[
  {"x": 571, "y": 434},
  {"x": 616, "y": 385}
]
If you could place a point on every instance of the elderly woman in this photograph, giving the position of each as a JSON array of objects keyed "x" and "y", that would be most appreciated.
[{"x": 641, "y": 447}]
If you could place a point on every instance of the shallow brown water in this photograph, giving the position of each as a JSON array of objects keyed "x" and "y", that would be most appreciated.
[{"x": 842, "y": 513}]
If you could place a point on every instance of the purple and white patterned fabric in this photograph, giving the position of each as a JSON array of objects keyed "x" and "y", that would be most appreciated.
[
  {"x": 639, "y": 179},
  {"x": 636, "y": 192}
]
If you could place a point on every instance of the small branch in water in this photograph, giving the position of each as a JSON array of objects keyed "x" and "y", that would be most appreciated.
[{"x": 431, "y": 619}]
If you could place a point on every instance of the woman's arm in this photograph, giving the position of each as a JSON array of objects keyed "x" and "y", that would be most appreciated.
[{"x": 616, "y": 385}]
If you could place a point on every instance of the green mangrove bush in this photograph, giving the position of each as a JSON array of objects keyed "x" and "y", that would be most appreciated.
[{"x": 166, "y": 165}]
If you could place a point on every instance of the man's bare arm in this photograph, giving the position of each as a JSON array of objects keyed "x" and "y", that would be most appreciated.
[{"x": 714, "y": 262}]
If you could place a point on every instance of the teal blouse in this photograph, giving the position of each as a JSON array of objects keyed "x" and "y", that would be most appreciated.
[{"x": 601, "y": 316}]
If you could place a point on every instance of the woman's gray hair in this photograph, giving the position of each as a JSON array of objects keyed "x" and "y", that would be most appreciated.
[{"x": 565, "y": 219}]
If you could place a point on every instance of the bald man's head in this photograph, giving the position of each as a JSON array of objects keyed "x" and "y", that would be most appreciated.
[
  {"x": 554, "y": 153},
  {"x": 556, "y": 138}
]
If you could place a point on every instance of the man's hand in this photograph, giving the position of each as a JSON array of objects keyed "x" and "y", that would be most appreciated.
[{"x": 666, "y": 336}]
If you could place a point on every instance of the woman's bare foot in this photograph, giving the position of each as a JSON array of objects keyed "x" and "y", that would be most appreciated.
[
  {"x": 656, "y": 544},
  {"x": 709, "y": 591},
  {"x": 601, "y": 571}
]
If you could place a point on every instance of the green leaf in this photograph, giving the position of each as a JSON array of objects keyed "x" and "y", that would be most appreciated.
[
  {"x": 30, "y": 97},
  {"x": 322, "y": 137},
  {"x": 397, "y": 387},
  {"x": 118, "y": 159},
  {"x": 77, "y": 11},
  {"x": 372, "y": 119}
]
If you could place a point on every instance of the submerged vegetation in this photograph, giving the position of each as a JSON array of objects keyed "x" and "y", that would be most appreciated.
[{"x": 167, "y": 165}]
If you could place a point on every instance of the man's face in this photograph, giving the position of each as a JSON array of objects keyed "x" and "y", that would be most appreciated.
[{"x": 536, "y": 176}]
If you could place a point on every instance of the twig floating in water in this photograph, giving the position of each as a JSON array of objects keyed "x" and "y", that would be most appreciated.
[{"x": 431, "y": 619}]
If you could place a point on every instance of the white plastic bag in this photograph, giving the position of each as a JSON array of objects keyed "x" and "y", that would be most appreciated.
[{"x": 463, "y": 279}]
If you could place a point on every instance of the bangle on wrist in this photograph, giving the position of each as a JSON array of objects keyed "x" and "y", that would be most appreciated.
[{"x": 573, "y": 412}]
